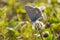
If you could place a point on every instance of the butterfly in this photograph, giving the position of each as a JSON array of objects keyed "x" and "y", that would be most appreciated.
[{"x": 33, "y": 13}]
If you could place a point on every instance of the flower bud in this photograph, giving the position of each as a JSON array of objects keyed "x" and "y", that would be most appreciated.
[{"x": 45, "y": 34}]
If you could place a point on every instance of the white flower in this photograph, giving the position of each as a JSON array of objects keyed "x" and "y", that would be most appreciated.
[{"x": 38, "y": 24}]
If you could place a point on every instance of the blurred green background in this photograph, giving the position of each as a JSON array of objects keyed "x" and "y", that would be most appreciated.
[{"x": 16, "y": 25}]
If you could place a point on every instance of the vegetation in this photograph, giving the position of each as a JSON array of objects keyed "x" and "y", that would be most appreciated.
[{"x": 16, "y": 25}]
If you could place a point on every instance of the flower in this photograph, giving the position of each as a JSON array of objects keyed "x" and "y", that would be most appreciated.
[
  {"x": 38, "y": 25},
  {"x": 45, "y": 34}
]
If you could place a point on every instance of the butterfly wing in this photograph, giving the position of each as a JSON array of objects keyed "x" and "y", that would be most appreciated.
[
  {"x": 33, "y": 13},
  {"x": 37, "y": 13}
]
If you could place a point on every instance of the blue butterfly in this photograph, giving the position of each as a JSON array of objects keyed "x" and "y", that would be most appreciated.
[{"x": 33, "y": 13}]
